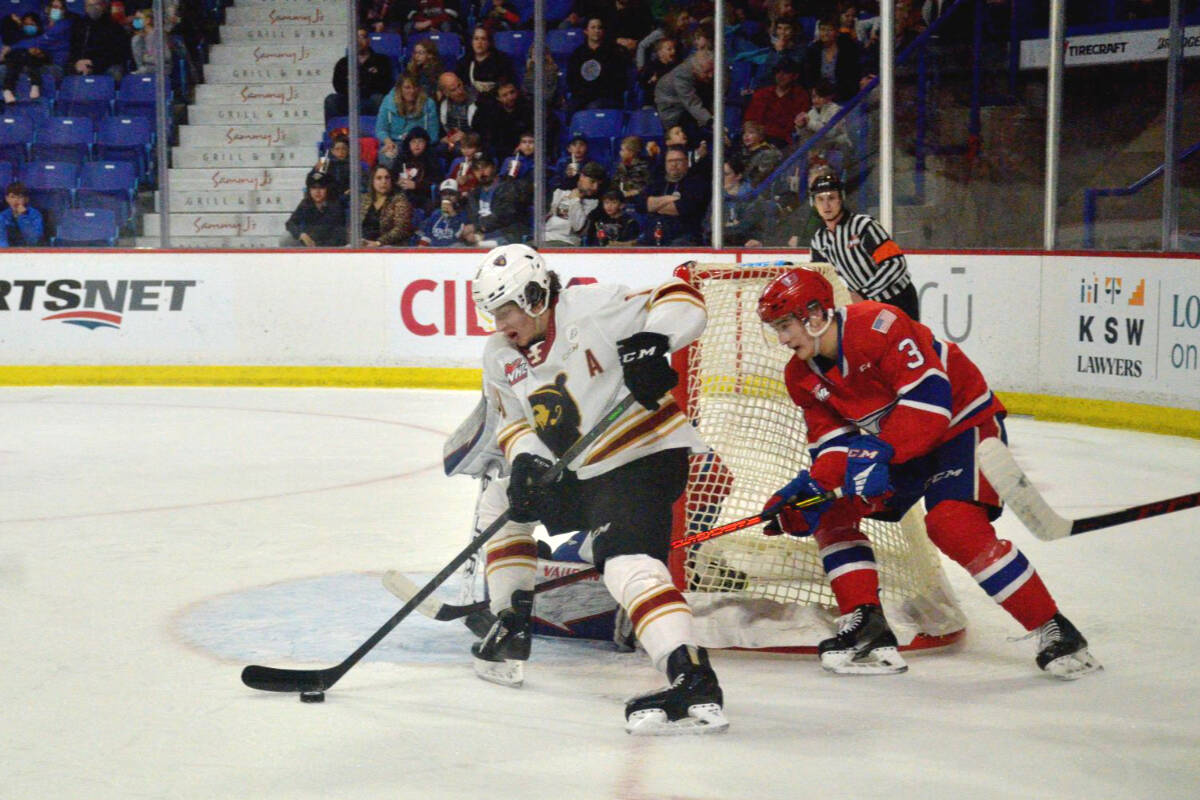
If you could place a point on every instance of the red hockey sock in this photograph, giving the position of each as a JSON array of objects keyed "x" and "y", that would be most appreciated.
[
  {"x": 962, "y": 531},
  {"x": 848, "y": 559}
]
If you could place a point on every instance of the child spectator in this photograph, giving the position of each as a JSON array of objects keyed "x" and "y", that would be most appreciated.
[
  {"x": 337, "y": 165},
  {"x": 520, "y": 164},
  {"x": 21, "y": 225},
  {"x": 664, "y": 59},
  {"x": 633, "y": 172},
  {"x": 18, "y": 60},
  {"x": 566, "y": 169},
  {"x": 144, "y": 44},
  {"x": 611, "y": 224},
  {"x": 444, "y": 227},
  {"x": 823, "y": 109},
  {"x": 760, "y": 156},
  {"x": 418, "y": 170},
  {"x": 319, "y": 220},
  {"x": 462, "y": 169},
  {"x": 386, "y": 213},
  {"x": 404, "y": 109}
]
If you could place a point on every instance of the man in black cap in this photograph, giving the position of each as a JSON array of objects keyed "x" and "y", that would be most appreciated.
[{"x": 319, "y": 220}]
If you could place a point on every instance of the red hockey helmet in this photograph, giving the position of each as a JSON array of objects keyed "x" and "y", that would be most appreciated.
[{"x": 799, "y": 291}]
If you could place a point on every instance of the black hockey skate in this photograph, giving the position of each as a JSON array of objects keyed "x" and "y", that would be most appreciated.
[
  {"x": 1062, "y": 650},
  {"x": 864, "y": 645},
  {"x": 500, "y": 655},
  {"x": 690, "y": 705}
]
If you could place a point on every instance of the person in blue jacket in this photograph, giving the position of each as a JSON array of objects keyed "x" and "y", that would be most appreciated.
[{"x": 21, "y": 224}]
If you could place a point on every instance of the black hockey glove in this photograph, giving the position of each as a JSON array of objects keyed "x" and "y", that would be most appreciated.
[
  {"x": 526, "y": 497},
  {"x": 648, "y": 373}
]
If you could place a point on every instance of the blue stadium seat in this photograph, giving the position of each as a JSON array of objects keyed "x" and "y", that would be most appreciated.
[
  {"x": 86, "y": 96},
  {"x": 16, "y": 132},
  {"x": 86, "y": 227},
  {"x": 6, "y": 174},
  {"x": 136, "y": 96},
  {"x": 63, "y": 139},
  {"x": 561, "y": 43},
  {"x": 557, "y": 10},
  {"x": 515, "y": 45},
  {"x": 126, "y": 139},
  {"x": 449, "y": 46},
  {"x": 38, "y": 109},
  {"x": 51, "y": 185},
  {"x": 108, "y": 184},
  {"x": 20, "y": 8},
  {"x": 602, "y": 129},
  {"x": 644, "y": 123},
  {"x": 388, "y": 44}
]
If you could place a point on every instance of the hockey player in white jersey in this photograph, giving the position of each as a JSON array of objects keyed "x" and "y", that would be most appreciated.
[{"x": 558, "y": 361}]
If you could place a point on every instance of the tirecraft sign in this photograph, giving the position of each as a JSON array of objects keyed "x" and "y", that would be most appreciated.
[
  {"x": 1108, "y": 48},
  {"x": 92, "y": 303}
]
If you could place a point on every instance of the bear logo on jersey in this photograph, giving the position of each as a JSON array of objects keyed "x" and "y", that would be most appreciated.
[{"x": 555, "y": 415}]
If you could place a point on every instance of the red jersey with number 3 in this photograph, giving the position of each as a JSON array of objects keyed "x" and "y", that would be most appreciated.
[{"x": 892, "y": 379}]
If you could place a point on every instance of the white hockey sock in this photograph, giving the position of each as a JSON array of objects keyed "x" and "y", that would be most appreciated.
[
  {"x": 511, "y": 563},
  {"x": 662, "y": 619}
]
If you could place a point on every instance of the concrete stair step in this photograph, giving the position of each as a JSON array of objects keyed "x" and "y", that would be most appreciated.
[
  {"x": 232, "y": 200},
  {"x": 227, "y": 114},
  {"x": 274, "y": 54},
  {"x": 259, "y": 95},
  {"x": 225, "y": 242},
  {"x": 231, "y": 34},
  {"x": 316, "y": 75},
  {"x": 288, "y": 14},
  {"x": 221, "y": 225},
  {"x": 198, "y": 157},
  {"x": 270, "y": 178},
  {"x": 279, "y": 135}
]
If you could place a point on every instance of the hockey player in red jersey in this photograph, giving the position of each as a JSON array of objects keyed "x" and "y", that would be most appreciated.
[{"x": 894, "y": 416}]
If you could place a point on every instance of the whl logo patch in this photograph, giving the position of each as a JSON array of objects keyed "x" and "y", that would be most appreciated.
[{"x": 93, "y": 303}]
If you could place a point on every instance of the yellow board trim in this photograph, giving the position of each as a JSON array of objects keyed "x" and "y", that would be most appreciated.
[
  {"x": 1101, "y": 413},
  {"x": 1104, "y": 413},
  {"x": 379, "y": 377}
]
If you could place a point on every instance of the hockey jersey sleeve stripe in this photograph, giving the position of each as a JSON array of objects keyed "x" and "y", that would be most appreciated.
[
  {"x": 933, "y": 372},
  {"x": 978, "y": 404},
  {"x": 940, "y": 410},
  {"x": 827, "y": 438},
  {"x": 643, "y": 430},
  {"x": 508, "y": 437},
  {"x": 676, "y": 291}
]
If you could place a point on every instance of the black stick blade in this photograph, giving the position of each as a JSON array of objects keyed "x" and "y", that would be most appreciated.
[{"x": 271, "y": 679}]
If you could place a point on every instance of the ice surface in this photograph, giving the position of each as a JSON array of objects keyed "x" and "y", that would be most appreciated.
[{"x": 154, "y": 541}]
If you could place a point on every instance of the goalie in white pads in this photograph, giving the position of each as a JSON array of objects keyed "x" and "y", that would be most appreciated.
[
  {"x": 559, "y": 360},
  {"x": 894, "y": 416}
]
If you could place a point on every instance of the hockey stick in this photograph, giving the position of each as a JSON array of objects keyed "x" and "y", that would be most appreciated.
[
  {"x": 273, "y": 679},
  {"x": 403, "y": 587},
  {"x": 1011, "y": 483}
]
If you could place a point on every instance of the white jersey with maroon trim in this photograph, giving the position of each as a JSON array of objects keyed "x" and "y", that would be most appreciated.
[{"x": 550, "y": 393}]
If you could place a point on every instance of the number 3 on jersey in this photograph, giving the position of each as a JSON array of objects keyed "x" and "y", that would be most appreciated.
[{"x": 909, "y": 347}]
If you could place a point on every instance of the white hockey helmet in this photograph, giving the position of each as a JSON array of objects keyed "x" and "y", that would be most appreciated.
[{"x": 511, "y": 273}]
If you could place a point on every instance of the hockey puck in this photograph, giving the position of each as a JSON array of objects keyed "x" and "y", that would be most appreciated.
[{"x": 312, "y": 697}]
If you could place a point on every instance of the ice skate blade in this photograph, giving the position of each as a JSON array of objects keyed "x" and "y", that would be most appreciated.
[
  {"x": 880, "y": 661},
  {"x": 1074, "y": 665},
  {"x": 702, "y": 719},
  {"x": 505, "y": 673}
]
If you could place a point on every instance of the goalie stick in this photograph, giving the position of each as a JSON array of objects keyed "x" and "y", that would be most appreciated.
[
  {"x": 274, "y": 679},
  {"x": 1015, "y": 489},
  {"x": 405, "y": 588}
]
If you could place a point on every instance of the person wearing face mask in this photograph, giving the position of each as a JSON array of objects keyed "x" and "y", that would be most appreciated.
[
  {"x": 49, "y": 48},
  {"x": 20, "y": 61},
  {"x": 144, "y": 44},
  {"x": 99, "y": 45}
]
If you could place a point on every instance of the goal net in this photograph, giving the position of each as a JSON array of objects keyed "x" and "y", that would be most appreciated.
[{"x": 770, "y": 592}]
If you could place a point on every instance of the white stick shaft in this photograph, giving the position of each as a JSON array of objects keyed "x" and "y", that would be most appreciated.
[{"x": 1014, "y": 488}]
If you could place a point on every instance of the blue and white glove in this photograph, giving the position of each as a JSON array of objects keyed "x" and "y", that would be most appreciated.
[
  {"x": 867, "y": 474},
  {"x": 795, "y": 521}
]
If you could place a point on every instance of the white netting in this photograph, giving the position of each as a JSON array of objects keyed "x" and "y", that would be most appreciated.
[{"x": 751, "y": 590}]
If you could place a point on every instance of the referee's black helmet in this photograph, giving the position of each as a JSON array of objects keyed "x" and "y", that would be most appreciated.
[{"x": 825, "y": 183}]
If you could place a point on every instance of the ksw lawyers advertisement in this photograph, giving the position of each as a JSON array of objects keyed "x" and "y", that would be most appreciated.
[{"x": 1128, "y": 324}]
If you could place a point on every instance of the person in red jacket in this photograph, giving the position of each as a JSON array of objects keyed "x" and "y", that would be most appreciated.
[
  {"x": 775, "y": 107},
  {"x": 894, "y": 416}
]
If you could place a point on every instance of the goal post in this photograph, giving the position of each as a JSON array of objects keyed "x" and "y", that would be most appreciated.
[{"x": 748, "y": 590}]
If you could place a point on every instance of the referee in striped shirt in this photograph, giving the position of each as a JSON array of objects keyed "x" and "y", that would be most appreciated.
[{"x": 860, "y": 249}]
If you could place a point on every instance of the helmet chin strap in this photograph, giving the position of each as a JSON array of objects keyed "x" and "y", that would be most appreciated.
[{"x": 816, "y": 335}]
